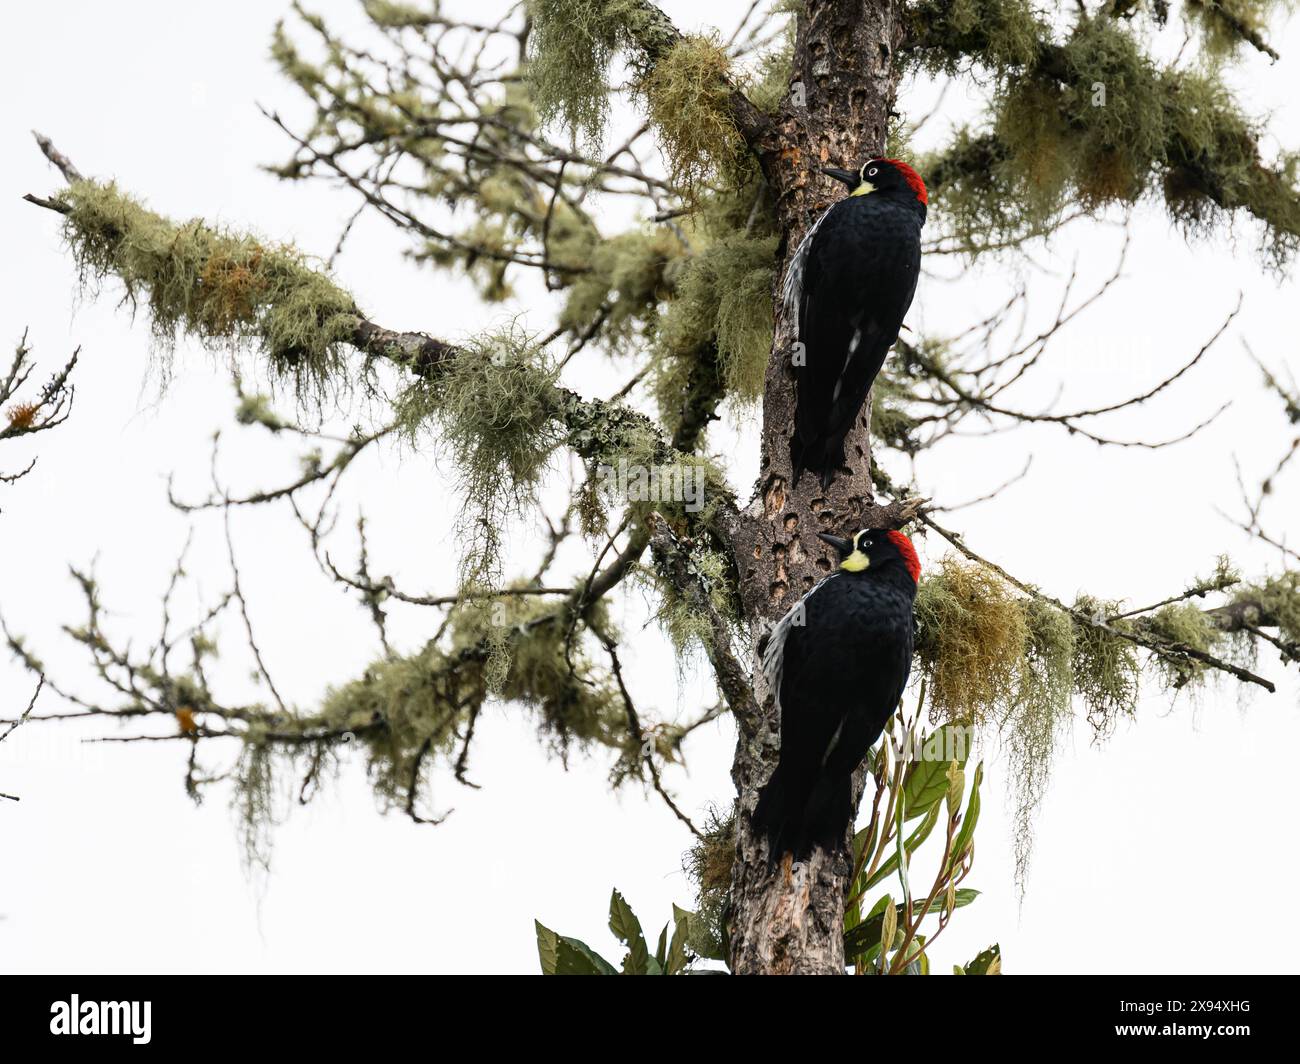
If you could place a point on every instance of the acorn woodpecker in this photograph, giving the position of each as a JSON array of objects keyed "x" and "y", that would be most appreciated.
[
  {"x": 846, "y": 292},
  {"x": 837, "y": 662}
]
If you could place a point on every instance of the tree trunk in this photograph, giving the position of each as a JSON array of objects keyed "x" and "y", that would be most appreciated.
[{"x": 842, "y": 92}]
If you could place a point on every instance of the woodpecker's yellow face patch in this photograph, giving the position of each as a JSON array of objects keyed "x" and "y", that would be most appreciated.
[
  {"x": 857, "y": 559},
  {"x": 864, "y": 187}
]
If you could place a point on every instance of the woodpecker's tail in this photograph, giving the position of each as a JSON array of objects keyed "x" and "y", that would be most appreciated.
[{"x": 795, "y": 818}]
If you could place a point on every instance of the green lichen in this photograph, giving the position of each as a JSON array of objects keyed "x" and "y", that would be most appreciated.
[
  {"x": 723, "y": 298},
  {"x": 410, "y": 712},
  {"x": 707, "y": 865},
  {"x": 570, "y": 49},
  {"x": 1096, "y": 121},
  {"x": 396, "y": 16},
  {"x": 689, "y": 627},
  {"x": 493, "y": 412},
  {"x": 1001, "y": 35},
  {"x": 686, "y": 95},
  {"x": 1273, "y": 603},
  {"x": 1184, "y": 624},
  {"x": 254, "y": 802},
  {"x": 511, "y": 215},
  {"x": 1037, "y": 718},
  {"x": 223, "y": 289},
  {"x": 1228, "y": 25},
  {"x": 1106, "y": 667},
  {"x": 971, "y": 639},
  {"x": 627, "y": 282},
  {"x": 768, "y": 84}
]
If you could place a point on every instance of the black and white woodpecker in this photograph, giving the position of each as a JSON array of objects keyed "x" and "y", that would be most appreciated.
[
  {"x": 846, "y": 292},
  {"x": 837, "y": 663}
]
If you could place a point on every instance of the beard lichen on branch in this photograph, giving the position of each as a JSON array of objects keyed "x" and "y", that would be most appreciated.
[
  {"x": 225, "y": 290},
  {"x": 723, "y": 299},
  {"x": 1011, "y": 663},
  {"x": 1086, "y": 115},
  {"x": 494, "y": 414},
  {"x": 518, "y": 650},
  {"x": 686, "y": 96},
  {"x": 571, "y": 46}
]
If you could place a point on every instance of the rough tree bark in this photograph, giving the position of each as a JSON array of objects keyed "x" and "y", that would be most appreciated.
[{"x": 842, "y": 92}]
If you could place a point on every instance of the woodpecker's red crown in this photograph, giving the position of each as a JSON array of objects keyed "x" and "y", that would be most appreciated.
[
  {"x": 904, "y": 545},
  {"x": 909, "y": 175}
]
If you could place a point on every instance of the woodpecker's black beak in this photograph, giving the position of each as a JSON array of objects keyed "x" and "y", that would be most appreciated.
[
  {"x": 850, "y": 177},
  {"x": 844, "y": 546}
]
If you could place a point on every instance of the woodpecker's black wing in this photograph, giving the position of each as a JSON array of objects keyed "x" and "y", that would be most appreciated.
[
  {"x": 854, "y": 279},
  {"x": 839, "y": 676}
]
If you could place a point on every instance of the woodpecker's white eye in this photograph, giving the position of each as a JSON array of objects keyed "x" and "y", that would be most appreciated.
[{"x": 873, "y": 171}]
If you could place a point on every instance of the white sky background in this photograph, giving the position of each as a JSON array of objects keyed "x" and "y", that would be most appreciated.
[{"x": 1148, "y": 848}]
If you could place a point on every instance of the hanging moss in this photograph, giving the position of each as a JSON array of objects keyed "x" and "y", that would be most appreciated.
[
  {"x": 405, "y": 709},
  {"x": 220, "y": 288},
  {"x": 1227, "y": 25},
  {"x": 768, "y": 84},
  {"x": 569, "y": 50},
  {"x": 707, "y": 865},
  {"x": 494, "y": 415},
  {"x": 1126, "y": 136},
  {"x": 686, "y": 95},
  {"x": 1003, "y": 34},
  {"x": 627, "y": 280},
  {"x": 410, "y": 712},
  {"x": 1106, "y": 668},
  {"x": 254, "y": 802},
  {"x": 550, "y": 669},
  {"x": 396, "y": 16},
  {"x": 1185, "y": 624},
  {"x": 1274, "y": 603},
  {"x": 1095, "y": 121},
  {"x": 724, "y": 297},
  {"x": 1037, "y": 718},
  {"x": 971, "y": 637}
]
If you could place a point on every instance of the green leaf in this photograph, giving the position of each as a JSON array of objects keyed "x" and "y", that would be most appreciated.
[
  {"x": 548, "y": 943},
  {"x": 864, "y": 842},
  {"x": 963, "y": 896},
  {"x": 900, "y": 854},
  {"x": 956, "y": 788},
  {"x": 918, "y": 963},
  {"x": 568, "y": 956},
  {"x": 888, "y": 926},
  {"x": 917, "y": 837},
  {"x": 926, "y": 781},
  {"x": 987, "y": 963},
  {"x": 627, "y": 929},
  {"x": 575, "y": 957},
  {"x": 967, "y": 830},
  {"x": 679, "y": 953},
  {"x": 866, "y": 935}
]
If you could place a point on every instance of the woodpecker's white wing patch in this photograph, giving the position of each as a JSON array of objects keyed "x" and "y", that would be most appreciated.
[
  {"x": 792, "y": 287},
  {"x": 848, "y": 357},
  {"x": 774, "y": 651}
]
